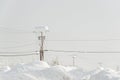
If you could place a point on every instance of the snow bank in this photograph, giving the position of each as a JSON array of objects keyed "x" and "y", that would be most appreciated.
[
  {"x": 105, "y": 74},
  {"x": 77, "y": 73},
  {"x": 37, "y": 65},
  {"x": 5, "y": 69},
  {"x": 35, "y": 71},
  {"x": 42, "y": 71},
  {"x": 97, "y": 74},
  {"x": 53, "y": 73}
]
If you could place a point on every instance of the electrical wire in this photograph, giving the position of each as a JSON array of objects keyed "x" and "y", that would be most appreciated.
[
  {"x": 83, "y": 51},
  {"x": 83, "y": 40},
  {"x": 24, "y": 45},
  {"x": 13, "y": 30},
  {"x": 36, "y": 52},
  {"x": 20, "y": 52},
  {"x": 14, "y": 55}
]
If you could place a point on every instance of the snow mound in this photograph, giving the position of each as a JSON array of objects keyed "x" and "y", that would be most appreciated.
[
  {"x": 5, "y": 69},
  {"x": 36, "y": 71},
  {"x": 102, "y": 74},
  {"x": 77, "y": 73},
  {"x": 52, "y": 73},
  {"x": 38, "y": 65},
  {"x": 42, "y": 71},
  {"x": 97, "y": 74}
]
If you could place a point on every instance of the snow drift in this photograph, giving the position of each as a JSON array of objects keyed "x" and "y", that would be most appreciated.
[{"x": 42, "y": 71}]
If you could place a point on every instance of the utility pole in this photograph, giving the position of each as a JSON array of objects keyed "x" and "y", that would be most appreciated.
[
  {"x": 41, "y": 47},
  {"x": 41, "y": 30}
]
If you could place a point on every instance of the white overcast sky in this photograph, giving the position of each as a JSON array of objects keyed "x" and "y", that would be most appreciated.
[{"x": 67, "y": 20}]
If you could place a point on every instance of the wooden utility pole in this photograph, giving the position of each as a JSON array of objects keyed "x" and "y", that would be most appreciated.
[
  {"x": 42, "y": 38},
  {"x": 41, "y": 30}
]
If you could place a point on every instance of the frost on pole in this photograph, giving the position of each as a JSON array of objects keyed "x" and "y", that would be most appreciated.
[{"x": 42, "y": 28}]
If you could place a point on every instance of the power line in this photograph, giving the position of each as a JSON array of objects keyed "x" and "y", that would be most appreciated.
[
  {"x": 83, "y": 51},
  {"x": 12, "y": 29},
  {"x": 85, "y": 40},
  {"x": 20, "y": 52},
  {"x": 14, "y": 55},
  {"x": 16, "y": 32},
  {"x": 36, "y": 52},
  {"x": 24, "y": 45}
]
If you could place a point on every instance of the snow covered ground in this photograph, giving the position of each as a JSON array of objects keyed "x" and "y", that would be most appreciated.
[{"x": 43, "y": 71}]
